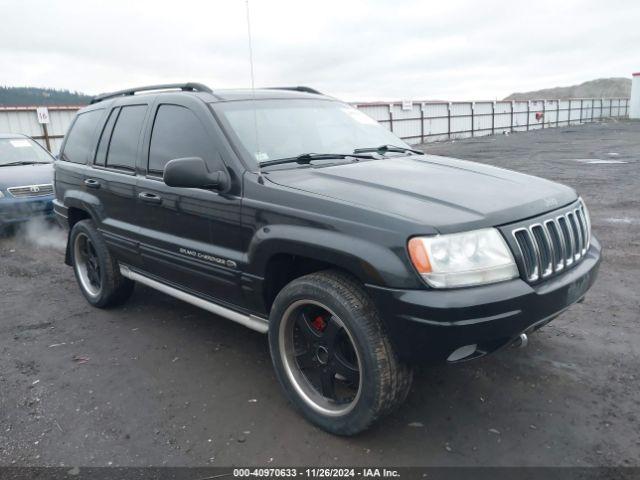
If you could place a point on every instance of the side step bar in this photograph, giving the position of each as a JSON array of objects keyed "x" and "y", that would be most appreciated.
[{"x": 253, "y": 322}]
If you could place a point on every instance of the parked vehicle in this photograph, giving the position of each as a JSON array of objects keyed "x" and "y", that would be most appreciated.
[
  {"x": 26, "y": 180},
  {"x": 296, "y": 215}
]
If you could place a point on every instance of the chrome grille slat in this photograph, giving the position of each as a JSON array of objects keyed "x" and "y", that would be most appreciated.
[
  {"x": 543, "y": 247},
  {"x": 31, "y": 191},
  {"x": 548, "y": 246},
  {"x": 577, "y": 252},
  {"x": 557, "y": 243},
  {"x": 528, "y": 252},
  {"x": 587, "y": 222},
  {"x": 568, "y": 240},
  {"x": 583, "y": 229}
]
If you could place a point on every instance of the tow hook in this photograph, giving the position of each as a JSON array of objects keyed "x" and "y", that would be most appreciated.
[{"x": 522, "y": 341}]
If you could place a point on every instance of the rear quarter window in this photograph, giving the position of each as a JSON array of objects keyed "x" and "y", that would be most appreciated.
[{"x": 81, "y": 137}]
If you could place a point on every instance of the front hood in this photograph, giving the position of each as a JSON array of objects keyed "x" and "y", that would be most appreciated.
[
  {"x": 23, "y": 175},
  {"x": 445, "y": 193}
]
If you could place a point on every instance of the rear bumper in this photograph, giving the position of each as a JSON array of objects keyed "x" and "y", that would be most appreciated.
[
  {"x": 18, "y": 210},
  {"x": 429, "y": 325}
]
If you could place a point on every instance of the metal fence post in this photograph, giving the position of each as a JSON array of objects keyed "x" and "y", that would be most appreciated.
[
  {"x": 528, "y": 113},
  {"x": 493, "y": 118},
  {"x": 391, "y": 117},
  {"x": 45, "y": 133},
  {"x": 472, "y": 120},
  {"x": 601, "y": 108},
  {"x": 422, "y": 122},
  {"x": 581, "y": 104},
  {"x": 544, "y": 111},
  {"x": 610, "y": 103},
  {"x": 557, "y": 113},
  {"x": 512, "y": 107},
  {"x": 449, "y": 120}
]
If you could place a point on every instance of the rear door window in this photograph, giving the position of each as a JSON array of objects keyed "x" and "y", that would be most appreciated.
[
  {"x": 123, "y": 147},
  {"x": 103, "y": 144},
  {"x": 177, "y": 133},
  {"x": 80, "y": 139}
]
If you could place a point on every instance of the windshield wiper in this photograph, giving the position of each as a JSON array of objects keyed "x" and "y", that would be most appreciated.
[
  {"x": 382, "y": 149},
  {"x": 307, "y": 158},
  {"x": 22, "y": 162}
]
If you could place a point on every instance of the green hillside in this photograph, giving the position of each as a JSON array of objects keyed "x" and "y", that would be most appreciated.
[
  {"x": 22, "y": 96},
  {"x": 600, "y": 88}
]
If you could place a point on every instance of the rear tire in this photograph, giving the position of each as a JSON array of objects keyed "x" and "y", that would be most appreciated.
[
  {"x": 97, "y": 272},
  {"x": 331, "y": 354}
]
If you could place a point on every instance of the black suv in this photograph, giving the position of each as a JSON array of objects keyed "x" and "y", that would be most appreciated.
[{"x": 296, "y": 215}]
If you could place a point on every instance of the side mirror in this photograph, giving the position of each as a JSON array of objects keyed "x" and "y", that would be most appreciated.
[{"x": 192, "y": 172}]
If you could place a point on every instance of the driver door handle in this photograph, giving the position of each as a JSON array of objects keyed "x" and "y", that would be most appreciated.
[{"x": 148, "y": 197}]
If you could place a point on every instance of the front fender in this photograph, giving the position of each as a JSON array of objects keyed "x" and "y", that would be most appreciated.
[{"x": 372, "y": 263}]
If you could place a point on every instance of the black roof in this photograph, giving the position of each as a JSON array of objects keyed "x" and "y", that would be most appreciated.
[{"x": 262, "y": 93}]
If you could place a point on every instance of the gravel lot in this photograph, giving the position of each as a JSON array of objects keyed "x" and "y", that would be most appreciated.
[{"x": 159, "y": 382}]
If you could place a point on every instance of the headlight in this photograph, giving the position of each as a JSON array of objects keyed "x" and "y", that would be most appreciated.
[{"x": 463, "y": 259}]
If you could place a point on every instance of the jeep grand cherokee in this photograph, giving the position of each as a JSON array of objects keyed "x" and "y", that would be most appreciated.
[{"x": 296, "y": 215}]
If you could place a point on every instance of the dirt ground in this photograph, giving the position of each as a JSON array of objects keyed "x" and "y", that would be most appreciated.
[{"x": 159, "y": 382}]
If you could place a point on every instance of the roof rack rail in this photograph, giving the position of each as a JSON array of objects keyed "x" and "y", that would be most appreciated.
[
  {"x": 298, "y": 89},
  {"x": 185, "y": 87}
]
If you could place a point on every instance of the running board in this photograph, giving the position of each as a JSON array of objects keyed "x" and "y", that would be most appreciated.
[{"x": 253, "y": 322}]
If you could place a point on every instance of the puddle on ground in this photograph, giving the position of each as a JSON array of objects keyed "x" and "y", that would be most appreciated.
[
  {"x": 626, "y": 220},
  {"x": 594, "y": 161}
]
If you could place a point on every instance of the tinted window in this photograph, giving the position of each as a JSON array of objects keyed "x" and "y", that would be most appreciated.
[
  {"x": 124, "y": 139},
  {"x": 177, "y": 133},
  {"x": 80, "y": 139},
  {"x": 103, "y": 144}
]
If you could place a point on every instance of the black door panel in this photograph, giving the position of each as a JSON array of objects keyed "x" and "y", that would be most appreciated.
[
  {"x": 188, "y": 237},
  {"x": 113, "y": 181},
  {"x": 116, "y": 197}
]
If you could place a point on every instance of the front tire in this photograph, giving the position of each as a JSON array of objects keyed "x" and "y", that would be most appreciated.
[
  {"x": 97, "y": 272},
  {"x": 331, "y": 354}
]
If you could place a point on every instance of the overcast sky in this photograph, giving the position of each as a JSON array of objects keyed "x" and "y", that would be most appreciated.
[{"x": 356, "y": 50}]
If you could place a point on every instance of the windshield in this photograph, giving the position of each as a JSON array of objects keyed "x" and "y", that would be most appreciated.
[
  {"x": 288, "y": 128},
  {"x": 22, "y": 151}
]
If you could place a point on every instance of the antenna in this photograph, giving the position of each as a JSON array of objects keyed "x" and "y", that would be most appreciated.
[{"x": 257, "y": 153}]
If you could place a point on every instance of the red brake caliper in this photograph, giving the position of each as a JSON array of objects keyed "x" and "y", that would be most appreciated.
[{"x": 319, "y": 323}]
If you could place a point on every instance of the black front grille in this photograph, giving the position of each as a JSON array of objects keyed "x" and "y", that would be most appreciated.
[{"x": 554, "y": 242}]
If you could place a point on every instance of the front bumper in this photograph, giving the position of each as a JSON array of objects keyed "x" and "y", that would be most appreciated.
[
  {"x": 18, "y": 210},
  {"x": 429, "y": 325}
]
